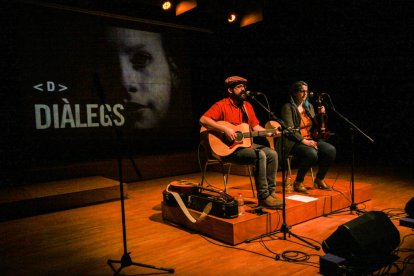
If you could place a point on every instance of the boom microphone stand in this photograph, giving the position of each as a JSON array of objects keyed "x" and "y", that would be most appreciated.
[
  {"x": 285, "y": 229},
  {"x": 125, "y": 260},
  {"x": 353, "y": 207}
]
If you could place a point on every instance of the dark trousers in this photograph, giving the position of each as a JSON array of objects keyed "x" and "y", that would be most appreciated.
[{"x": 308, "y": 156}]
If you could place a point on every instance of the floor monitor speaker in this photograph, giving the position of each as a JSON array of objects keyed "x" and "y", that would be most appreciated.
[
  {"x": 370, "y": 238},
  {"x": 409, "y": 208}
]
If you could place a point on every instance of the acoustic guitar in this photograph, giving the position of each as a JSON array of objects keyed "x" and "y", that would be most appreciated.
[
  {"x": 221, "y": 146},
  {"x": 271, "y": 140}
]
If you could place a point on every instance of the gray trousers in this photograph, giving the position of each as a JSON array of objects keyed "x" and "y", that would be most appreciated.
[{"x": 265, "y": 162}]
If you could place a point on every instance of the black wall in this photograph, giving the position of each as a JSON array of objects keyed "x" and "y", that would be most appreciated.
[{"x": 359, "y": 52}]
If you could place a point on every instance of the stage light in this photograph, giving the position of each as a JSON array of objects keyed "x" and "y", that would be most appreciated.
[
  {"x": 251, "y": 18},
  {"x": 185, "y": 6},
  {"x": 231, "y": 17},
  {"x": 167, "y": 5}
]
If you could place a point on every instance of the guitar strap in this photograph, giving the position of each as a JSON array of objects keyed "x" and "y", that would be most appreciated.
[
  {"x": 245, "y": 114},
  {"x": 184, "y": 208}
]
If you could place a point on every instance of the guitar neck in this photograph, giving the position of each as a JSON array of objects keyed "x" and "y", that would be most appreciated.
[{"x": 258, "y": 133}]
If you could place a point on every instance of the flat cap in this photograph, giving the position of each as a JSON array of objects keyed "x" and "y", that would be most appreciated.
[{"x": 234, "y": 80}]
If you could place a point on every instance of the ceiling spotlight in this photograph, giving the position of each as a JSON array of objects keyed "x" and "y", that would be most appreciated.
[
  {"x": 167, "y": 5},
  {"x": 231, "y": 17},
  {"x": 184, "y": 6}
]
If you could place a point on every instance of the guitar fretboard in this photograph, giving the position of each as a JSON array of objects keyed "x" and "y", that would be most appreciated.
[{"x": 258, "y": 133}]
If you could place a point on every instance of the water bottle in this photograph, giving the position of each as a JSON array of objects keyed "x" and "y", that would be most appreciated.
[
  {"x": 240, "y": 203},
  {"x": 289, "y": 185}
]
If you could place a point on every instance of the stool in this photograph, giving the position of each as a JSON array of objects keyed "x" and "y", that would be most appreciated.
[{"x": 211, "y": 159}]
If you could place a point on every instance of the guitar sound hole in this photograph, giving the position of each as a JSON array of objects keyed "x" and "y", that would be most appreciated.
[{"x": 239, "y": 136}]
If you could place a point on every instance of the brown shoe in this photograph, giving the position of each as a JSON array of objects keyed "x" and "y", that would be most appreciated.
[
  {"x": 273, "y": 195},
  {"x": 299, "y": 188},
  {"x": 271, "y": 203},
  {"x": 320, "y": 184},
  {"x": 277, "y": 199}
]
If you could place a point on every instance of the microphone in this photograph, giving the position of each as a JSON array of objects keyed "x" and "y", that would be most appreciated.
[{"x": 253, "y": 93}]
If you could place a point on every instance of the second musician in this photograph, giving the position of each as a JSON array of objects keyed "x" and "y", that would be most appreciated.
[{"x": 299, "y": 113}]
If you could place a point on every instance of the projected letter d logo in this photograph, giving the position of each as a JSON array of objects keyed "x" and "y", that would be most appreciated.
[{"x": 50, "y": 86}]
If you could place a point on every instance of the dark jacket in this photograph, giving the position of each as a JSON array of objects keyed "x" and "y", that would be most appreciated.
[{"x": 291, "y": 117}]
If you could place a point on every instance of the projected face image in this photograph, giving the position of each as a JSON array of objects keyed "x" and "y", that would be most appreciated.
[{"x": 145, "y": 74}]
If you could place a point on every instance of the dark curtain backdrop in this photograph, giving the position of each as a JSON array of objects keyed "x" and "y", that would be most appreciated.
[{"x": 359, "y": 52}]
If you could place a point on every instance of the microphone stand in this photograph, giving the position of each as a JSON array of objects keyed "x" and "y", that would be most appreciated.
[
  {"x": 285, "y": 229},
  {"x": 125, "y": 260},
  {"x": 353, "y": 207}
]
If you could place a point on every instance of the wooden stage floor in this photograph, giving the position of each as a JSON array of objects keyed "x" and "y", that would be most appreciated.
[{"x": 80, "y": 241}]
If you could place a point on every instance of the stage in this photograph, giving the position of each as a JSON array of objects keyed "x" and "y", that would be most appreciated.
[
  {"x": 299, "y": 208},
  {"x": 79, "y": 241}
]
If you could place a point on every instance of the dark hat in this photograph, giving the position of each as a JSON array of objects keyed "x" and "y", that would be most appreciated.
[{"x": 233, "y": 81}]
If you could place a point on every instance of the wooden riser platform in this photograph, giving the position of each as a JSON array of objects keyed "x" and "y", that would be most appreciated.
[
  {"x": 249, "y": 225},
  {"x": 25, "y": 201}
]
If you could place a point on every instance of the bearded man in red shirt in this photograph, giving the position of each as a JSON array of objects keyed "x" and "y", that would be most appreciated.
[{"x": 223, "y": 117}]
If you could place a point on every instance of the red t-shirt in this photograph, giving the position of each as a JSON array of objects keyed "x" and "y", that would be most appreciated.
[{"x": 226, "y": 110}]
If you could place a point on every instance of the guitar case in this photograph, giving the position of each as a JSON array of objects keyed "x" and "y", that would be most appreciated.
[
  {"x": 220, "y": 208},
  {"x": 169, "y": 199},
  {"x": 223, "y": 206}
]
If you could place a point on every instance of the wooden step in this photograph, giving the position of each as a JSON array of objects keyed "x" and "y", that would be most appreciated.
[
  {"x": 23, "y": 201},
  {"x": 250, "y": 225}
]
